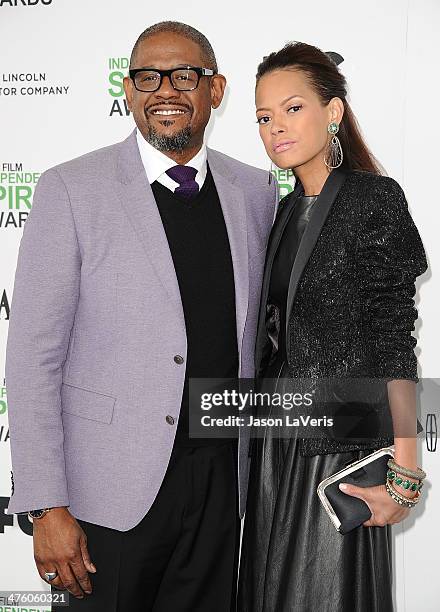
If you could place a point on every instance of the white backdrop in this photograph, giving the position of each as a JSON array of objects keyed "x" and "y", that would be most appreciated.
[{"x": 76, "y": 49}]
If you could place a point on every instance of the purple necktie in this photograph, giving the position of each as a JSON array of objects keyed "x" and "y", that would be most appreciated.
[{"x": 185, "y": 176}]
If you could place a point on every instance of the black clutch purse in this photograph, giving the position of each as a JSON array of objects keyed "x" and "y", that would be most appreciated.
[{"x": 347, "y": 512}]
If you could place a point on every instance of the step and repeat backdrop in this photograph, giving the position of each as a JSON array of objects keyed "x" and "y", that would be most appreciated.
[{"x": 61, "y": 68}]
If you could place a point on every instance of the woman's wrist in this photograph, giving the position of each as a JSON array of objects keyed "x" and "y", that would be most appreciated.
[
  {"x": 405, "y": 452},
  {"x": 405, "y": 460},
  {"x": 409, "y": 493},
  {"x": 404, "y": 480}
]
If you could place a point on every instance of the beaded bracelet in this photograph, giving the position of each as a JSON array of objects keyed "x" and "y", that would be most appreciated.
[
  {"x": 400, "y": 499},
  {"x": 395, "y": 478},
  {"x": 419, "y": 474}
]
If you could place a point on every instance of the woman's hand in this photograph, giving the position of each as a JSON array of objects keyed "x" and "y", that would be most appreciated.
[{"x": 384, "y": 510}]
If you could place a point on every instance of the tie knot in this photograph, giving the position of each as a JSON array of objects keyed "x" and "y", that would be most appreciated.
[{"x": 182, "y": 174}]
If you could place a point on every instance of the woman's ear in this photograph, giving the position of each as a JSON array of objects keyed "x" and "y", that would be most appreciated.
[{"x": 336, "y": 110}]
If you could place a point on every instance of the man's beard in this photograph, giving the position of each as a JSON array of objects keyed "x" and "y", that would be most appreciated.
[{"x": 177, "y": 142}]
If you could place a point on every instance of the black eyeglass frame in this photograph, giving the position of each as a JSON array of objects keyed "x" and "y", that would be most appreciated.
[{"x": 197, "y": 69}]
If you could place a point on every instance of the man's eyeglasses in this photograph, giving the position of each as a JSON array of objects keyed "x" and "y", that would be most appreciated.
[{"x": 182, "y": 79}]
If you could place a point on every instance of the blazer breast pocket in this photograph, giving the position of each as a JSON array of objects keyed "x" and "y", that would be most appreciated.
[{"x": 86, "y": 403}]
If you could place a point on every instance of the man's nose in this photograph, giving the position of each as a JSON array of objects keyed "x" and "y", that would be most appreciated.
[{"x": 166, "y": 89}]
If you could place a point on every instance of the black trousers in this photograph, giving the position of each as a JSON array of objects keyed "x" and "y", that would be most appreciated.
[{"x": 183, "y": 555}]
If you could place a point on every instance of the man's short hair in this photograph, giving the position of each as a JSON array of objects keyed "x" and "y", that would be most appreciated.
[{"x": 184, "y": 30}]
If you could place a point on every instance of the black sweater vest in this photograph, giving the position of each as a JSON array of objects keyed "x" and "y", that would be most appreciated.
[{"x": 199, "y": 245}]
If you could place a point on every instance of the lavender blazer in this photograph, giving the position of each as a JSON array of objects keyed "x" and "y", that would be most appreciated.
[{"x": 96, "y": 320}]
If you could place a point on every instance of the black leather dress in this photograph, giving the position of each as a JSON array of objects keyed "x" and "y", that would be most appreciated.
[{"x": 292, "y": 558}]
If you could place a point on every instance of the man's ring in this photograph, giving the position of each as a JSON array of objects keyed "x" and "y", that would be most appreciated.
[{"x": 51, "y": 575}]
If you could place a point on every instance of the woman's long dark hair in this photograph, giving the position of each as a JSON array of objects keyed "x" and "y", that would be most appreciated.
[{"x": 328, "y": 82}]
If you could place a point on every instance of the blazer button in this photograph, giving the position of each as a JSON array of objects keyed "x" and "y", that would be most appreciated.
[
  {"x": 169, "y": 419},
  {"x": 178, "y": 359}
]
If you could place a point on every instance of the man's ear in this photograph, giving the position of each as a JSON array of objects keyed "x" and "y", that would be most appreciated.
[
  {"x": 218, "y": 85},
  {"x": 129, "y": 90}
]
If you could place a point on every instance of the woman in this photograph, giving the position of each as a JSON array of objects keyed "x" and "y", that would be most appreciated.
[{"x": 337, "y": 302}]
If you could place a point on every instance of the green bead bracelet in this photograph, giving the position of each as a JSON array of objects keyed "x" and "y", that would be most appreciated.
[{"x": 405, "y": 484}]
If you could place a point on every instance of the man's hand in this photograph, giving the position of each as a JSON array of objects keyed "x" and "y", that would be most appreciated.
[{"x": 60, "y": 544}]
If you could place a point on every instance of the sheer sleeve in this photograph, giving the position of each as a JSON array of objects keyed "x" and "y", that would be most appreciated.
[{"x": 390, "y": 257}]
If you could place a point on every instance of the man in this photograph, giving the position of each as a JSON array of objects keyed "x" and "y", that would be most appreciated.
[{"x": 139, "y": 267}]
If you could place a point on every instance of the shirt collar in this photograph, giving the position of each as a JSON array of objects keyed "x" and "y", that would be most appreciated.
[{"x": 157, "y": 163}]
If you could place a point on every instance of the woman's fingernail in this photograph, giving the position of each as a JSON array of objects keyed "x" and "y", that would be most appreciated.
[{"x": 343, "y": 486}]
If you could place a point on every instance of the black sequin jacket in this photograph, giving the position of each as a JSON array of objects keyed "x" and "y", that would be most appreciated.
[{"x": 351, "y": 289}]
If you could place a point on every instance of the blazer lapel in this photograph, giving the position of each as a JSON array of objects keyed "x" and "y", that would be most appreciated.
[
  {"x": 311, "y": 234},
  {"x": 137, "y": 200},
  {"x": 234, "y": 212},
  {"x": 320, "y": 211},
  {"x": 281, "y": 219}
]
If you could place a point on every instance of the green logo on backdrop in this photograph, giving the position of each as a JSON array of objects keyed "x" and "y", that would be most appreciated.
[
  {"x": 286, "y": 181},
  {"x": 16, "y": 192},
  {"x": 118, "y": 68},
  {"x": 3, "y": 403}
]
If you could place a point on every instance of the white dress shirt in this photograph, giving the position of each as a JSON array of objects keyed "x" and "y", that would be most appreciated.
[{"x": 156, "y": 163}]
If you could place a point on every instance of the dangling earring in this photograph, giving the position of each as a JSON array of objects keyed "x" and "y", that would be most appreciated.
[
  {"x": 269, "y": 179},
  {"x": 334, "y": 155}
]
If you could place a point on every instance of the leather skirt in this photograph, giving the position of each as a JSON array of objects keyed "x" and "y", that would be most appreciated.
[{"x": 292, "y": 557}]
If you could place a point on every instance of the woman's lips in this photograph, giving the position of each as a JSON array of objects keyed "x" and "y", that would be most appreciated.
[{"x": 283, "y": 145}]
